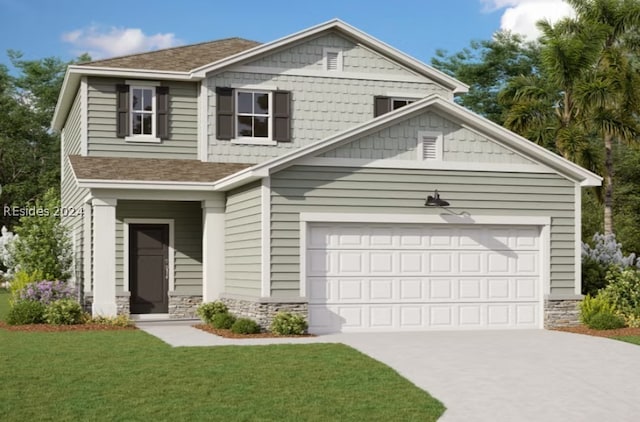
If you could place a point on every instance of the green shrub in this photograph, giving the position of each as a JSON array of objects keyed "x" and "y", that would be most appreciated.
[
  {"x": 591, "y": 306},
  {"x": 606, "y": 321},
  {"x": 286, "y": 324},
  {"x": 245, "y": 326},
  {"x": 208, "y": 310},
  {"x": 116, "y": 321},
  {"x": 623, "y": 291},
  {"x": 223, "y": 321},
  {"x": 593, "y": 276},
  {"x": 26, "y": 312},
  {"x": 20, "y": 281},
  {"x": 64, "y": 312}
]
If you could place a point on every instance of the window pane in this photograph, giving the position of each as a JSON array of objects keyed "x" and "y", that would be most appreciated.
[
  {"x": 262, "y": 104},
  {"x": 137, "y": 99},
  {"x": 245, "y": 100},
  {"x": 146, "y": 124},
  {"x": 137, "y": 124},
  {"x": 260, "y": 127},
  {"x": 146, "y": 99},
  {"x": 399, "y": 103},
  {"x": 244, "y": 126}
]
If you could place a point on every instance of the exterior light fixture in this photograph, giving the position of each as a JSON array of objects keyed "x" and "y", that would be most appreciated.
[{"x": 435, "y": 201}]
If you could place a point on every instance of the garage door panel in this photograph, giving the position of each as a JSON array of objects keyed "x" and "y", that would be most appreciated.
[{"x": 400, "y": 277}]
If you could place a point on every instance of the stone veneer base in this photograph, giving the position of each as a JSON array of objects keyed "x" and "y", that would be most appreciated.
[
  {"x": 263, "y": 312},
  {"x": 561, "y": 313},
  {"x": 123, "y": 301},
  {"x": 183, "y": 306}
]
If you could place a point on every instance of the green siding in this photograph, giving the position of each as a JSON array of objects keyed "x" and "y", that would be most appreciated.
[
  {"x": 187, "y": 218},
  {"x": 72, "y": 197},
  {"x": 390, "y": 191},
  {"x": 243, "y": 245},
  {"x": 183, "y": 123}
]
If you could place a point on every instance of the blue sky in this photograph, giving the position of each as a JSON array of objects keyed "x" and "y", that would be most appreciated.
[{"x": 65, "y": 28}]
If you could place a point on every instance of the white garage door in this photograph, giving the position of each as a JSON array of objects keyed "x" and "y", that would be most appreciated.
[{"x": 375, "y": 277}]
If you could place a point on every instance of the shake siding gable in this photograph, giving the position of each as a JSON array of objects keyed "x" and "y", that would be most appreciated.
[
  {"x": 243, "y": 244},
  {"x": 181, "y": 142},
  {"x": 71, "y": 196},
  {"x": 390, "y": 191}
]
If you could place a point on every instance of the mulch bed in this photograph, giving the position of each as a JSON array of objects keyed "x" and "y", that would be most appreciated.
[
  {"x": 230, "y": 334},
  {"x": 48, "y": 328},
  {"x": 581, "y": 329}
]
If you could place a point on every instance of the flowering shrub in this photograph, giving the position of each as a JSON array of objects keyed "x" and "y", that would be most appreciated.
[
  {"x": 47, "y": 291},
  {"x": 64, "y": 312},
  {"x": 207, "y": 311},
  {"x": 597, "y": 261},
  {"x": 623, "y": 291},
  {"x": 286, "y": 323},
  {"x": 6, "y": 258}
]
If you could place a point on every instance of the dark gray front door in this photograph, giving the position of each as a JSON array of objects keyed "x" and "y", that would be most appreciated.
[{"x": 149, "y": 268}]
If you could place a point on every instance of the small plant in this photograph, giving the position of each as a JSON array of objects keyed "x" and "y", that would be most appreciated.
[
  {"x": 208, "y": 310},
  {"x": 26, "y": 312},
  {"x": 223, "y": 321},
  {"x": 245, "y": 326},
  {"x": 606, "y": 321},
  {"x": 20, "y": 280},
  {"x": 64, "y": 312},
  {"x": 47, "y": 291},
  {"x": 286, "y": 324},
  {"x": 116, "y": 321},
  {"x": 591, "y": 306}
]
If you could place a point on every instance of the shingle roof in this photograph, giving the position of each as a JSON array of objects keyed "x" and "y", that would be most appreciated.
[
  {"x": 151, "y": 169},
  {"x": 181, "y": 59}
]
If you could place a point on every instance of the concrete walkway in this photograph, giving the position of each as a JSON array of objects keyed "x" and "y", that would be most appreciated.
[{"x": 531, "y": 375}]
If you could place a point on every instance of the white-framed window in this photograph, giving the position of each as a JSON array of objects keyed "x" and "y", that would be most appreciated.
[
  {"x": 332, "y": 59},
  {"x": 397, "y": 103},
  {"x": 143, "y": 113},
  {"x": 430, "y": 146},
  {"x": 253, "y": 114}
]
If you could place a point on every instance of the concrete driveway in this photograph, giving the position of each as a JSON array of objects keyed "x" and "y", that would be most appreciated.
[{"x": 531, "y": 375}]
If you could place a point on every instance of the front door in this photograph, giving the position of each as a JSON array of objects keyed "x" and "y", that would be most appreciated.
[{"x": 149, "y": 268}]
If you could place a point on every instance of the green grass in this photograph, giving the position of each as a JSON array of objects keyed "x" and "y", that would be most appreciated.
[
  {"x": 130, "y": 375},
  {"x": 629, "y": 339}
]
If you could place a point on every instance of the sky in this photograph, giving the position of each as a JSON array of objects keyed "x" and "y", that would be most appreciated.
[{"x": 109, "y": 28}]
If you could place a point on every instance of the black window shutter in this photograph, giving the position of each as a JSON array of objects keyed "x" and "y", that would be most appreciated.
[
  {"x": 224, "y": 113},
  {"x": 162, "y": 112},
  {"x": 381, "y": 105},
  {"x": 122, "y": 111},
  {"x": 282, "y": 116}
]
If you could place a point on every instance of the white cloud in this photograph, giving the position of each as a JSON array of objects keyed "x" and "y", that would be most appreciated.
[
  {"x": 102, "y": 42},
  {"x": 520, "y": 16}
]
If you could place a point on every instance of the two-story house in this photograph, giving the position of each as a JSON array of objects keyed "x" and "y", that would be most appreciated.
[{"x": 294, "y": 175}]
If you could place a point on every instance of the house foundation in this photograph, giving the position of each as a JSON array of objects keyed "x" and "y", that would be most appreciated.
[{"x": 263, "y": 310}]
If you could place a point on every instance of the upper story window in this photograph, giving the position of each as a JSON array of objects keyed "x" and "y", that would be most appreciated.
[
  {"x": 332, "y": 59},
  {"x": 142, "y": 112},
  {"x": 253, "y": 114},
  {"x": 248, "y": 116},
  {"x": 384, "y": 104}
]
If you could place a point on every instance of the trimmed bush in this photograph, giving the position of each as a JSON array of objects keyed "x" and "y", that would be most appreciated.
[
  {"x": 623, "y": 291},
  {"x": 245, "y": 326},
  {"x": 116, "y": 321},
  {"x": 208, "y": 310},
  {"x": 606, "y": 321},
  {"x": 64, "y": 312},
  {"x": 286, "y": 324},
  {"x": 223, "y": 321},
  {"x": 591, "y": 306},
  {"x": 26, "y": 312}
]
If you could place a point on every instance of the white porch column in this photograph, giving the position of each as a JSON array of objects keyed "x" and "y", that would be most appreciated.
[
  {"x": 104, "y": 257},
  {"x": 213, "y": 226}
]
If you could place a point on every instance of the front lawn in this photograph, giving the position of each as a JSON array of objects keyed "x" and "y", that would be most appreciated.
[
  {"x": 629, "y": 339},
  {"x": 130, "y": 375}
]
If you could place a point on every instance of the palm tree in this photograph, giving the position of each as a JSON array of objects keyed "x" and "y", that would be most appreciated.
[{"x": 586, "y": 95}]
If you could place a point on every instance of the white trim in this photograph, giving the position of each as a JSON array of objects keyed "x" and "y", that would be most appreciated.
[
  {"x": 144, "y": 139},
  {"x": 495, "y": 132},
  {"x": 63, "y": 159},
  {"x": 254, "y": 87},
  {"x": 351, "y": 32},
  {"x": 141, "y": 84},
  {"x": 438, "y": 136},
  {"x": 313, "y": 73},
  {"x": 103, "y": 248},
  {"x": 254, "y": 141},
  {"x": 325, "y": 59},
  {"x": 150, "y": 137},
  {"x": 425, "y": 219},
  {"x": 265, "y": 194},
  {"x": 74, "y": 254},
  {"x": 422, "y": 165},
  {"x": 578, "y": 240},
  {"x": 544, "y": 224},
  {"x": 158, "y": 195},
  {"x": 84, "y": 116},
  {"x": 213, "y": 248},
  {"x": 411, "y": 96},
  {"x": 203, "y": 122},
  {"x": 125, "y": 248},
  {"x": 143, "y": 184},
  {"x": 87, "y": 246}
]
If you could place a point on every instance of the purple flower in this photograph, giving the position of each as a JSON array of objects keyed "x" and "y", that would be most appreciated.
[{"x": 46, "y": 291}]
